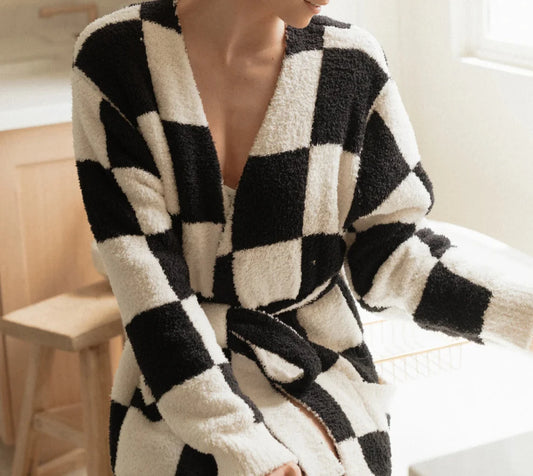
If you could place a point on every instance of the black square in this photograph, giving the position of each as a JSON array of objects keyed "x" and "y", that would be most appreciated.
[
  {"x": 371, "y": 249},
  {"x": 270, "y": 200},
  {"x": 115, "y": 60},
  {"x": 117, "y": 414},
  {"x": 382, "y": 168},
  {"x": 424, "y": 178},
  {"x": 437, "y": 244},
  {"x": 125, "y": 146},
  {"x": 223, "y": 285},
  {"x": 350, "y": 80},
  {"x": 160, "y": 12},
  {"x": 304, "y": 39},
  {"x": 109, "y": 211},
  {"x": 167, "y": 248},
  {"x": 452, "y": 304},
  {"x": 322, "y": 257},
  {"x": 196, "y": 171},
  {"x": 150, "y": 412},
  {"x": 328, "y": 357},
  {"x": 362, "y": 361},
  {"x": 193, "y": 462},
  {"x": 329, "y": 21},
  {"x": 376, "y": 448},
  {"x": 167, "y": 347},
  {"x": 329, "y": 411}
]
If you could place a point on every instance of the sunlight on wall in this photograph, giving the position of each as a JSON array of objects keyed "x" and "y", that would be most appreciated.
[{"x": 510, "y": 21}]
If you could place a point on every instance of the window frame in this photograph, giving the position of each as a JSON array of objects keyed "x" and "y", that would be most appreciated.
[{"x": 477, "y": 44}]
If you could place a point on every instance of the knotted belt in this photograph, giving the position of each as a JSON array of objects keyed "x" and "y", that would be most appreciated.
[{"x": 284, "y": 356}]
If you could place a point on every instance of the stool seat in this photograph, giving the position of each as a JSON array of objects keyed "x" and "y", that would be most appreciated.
[{"x": 70, "y": 321}]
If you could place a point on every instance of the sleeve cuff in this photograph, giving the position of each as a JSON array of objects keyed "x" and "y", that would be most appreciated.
[
  {"x": 508, "y": 320},
  {"x": 255, "y": 452}
]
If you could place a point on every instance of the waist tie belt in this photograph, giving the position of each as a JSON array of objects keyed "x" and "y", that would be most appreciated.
[{"x": 284, "y": 356}]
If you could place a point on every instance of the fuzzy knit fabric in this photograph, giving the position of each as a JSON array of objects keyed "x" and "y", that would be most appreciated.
[{"x": 233, "y": 302}]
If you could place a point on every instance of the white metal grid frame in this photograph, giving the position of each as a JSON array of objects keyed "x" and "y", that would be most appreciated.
[{"x": 403, "y": 351}]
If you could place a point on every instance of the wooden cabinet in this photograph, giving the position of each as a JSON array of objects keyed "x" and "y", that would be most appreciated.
[{"x": 45, "y": 249}]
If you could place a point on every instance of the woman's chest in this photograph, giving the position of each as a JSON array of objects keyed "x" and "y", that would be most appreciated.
[{"x": 235, "y": 103}]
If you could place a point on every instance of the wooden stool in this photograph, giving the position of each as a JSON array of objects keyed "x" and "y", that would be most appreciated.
[{"x": 81, "y": 321}]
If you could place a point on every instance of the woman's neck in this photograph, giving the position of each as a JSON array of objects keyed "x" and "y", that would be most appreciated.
[{"x": 234, "y": 29}]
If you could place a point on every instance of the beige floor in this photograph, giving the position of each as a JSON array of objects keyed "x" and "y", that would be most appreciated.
[{"x": 6, "y": 458}]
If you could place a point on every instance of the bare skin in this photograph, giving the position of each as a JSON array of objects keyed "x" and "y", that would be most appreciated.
[
  {"x": 235, "y": 104},
  {"x": 240, "y": 43}
]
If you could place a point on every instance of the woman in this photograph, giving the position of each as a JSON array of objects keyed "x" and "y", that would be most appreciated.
[{"x": 229, "y": 152}]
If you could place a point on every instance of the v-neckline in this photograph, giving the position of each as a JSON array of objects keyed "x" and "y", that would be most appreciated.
[{"x": 264, "y": 120}]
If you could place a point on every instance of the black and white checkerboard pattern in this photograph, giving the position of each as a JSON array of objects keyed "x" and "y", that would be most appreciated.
[{"x": 334, "y": 178}]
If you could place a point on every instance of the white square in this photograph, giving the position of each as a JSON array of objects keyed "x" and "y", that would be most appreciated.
[
  {"x": 199, "y": 248},
  {"x": 145, "y": 194},
  {"x": 289, "y": 119},
  {"x": 135, "y": 274},
  {"x": 146, "y": 447},
  {"x": 409, "y": 194},
  {"x": 390, "y": 107},
  {"x": 330, "y": 322},
  {"x": 174, "y": 85},
  {"x": 321, "y": 212},
  {"x": 154, "y": 135},
  {"x": 355, "y": 37},
  {"x": 90, "y": 138},
  {"x": 269, "y": 273},
  {"x": 217, "y": 315}
]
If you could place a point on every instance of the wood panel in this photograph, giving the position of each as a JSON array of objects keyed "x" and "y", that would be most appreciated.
[{"x": 45, "y": 250}]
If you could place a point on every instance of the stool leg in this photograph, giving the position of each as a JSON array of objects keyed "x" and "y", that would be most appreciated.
[
  {"x": 34, "y": 469},
  {"x": 39, "y": 366},
  {"x": 96, "y": 381}
]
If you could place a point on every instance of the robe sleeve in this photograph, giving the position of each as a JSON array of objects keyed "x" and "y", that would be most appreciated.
[
  {"x": 173, "y": 342},
  {"x": 395, "y": 259}
]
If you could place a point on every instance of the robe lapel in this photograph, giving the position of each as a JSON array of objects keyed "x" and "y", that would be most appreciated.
[{"x": 269, "y": 203}]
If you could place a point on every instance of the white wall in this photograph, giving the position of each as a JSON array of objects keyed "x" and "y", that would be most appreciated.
[
  {"x": 474, "y": 125},
  {"x": 345, "y": 10}
]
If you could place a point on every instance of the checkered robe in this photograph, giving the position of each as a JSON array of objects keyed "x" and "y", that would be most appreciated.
[{"x": 230, "y": 306}]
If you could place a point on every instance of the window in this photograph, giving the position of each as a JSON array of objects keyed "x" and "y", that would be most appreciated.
[
  {"x": 501, "y": 30},
  {"x": 509, "y": 21}
]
